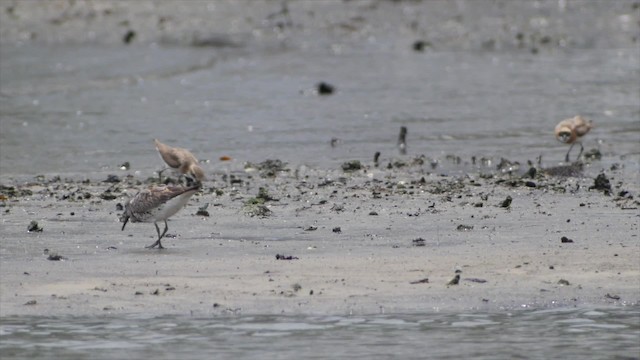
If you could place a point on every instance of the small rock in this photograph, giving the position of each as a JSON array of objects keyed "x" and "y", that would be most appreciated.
[
  {"x": 33, "y": 302},
  {"x": 128, "y": 36},
  {"x": 608, "y": 296},
  {"x": 565, "y": 239},
  {"x": 107, "y": 195},
  {"x": 373, "y": 213},
  {"x": 352, "y": 165},
  {"x": 56, "y": 257},
  {"x": 463, "y": 227},
  {"x": 286, "y": 257},
  {"x": 563, "y": 282},
  {"x": 601, "y": 183},
  {"x": 421, "y": 281},
  {"x": 337, "y": 229},
  {"x": 325, "y": 88},
  {"x": 506, "y": 203},
  {"x": 33, "y": 227},
  {"x": 418, "y": 242},
  {"x": 112, "y": 179},
  {"x": 419, "y": 45},
  {"x": 455, "y": 280},
  {"x": 476, "y": 280},
  {"x": 311, "y": 228},
  {"x": 202, "y": 210}
]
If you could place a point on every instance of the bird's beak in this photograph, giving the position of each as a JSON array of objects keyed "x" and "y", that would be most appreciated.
[{"x": 126, "y": 219}]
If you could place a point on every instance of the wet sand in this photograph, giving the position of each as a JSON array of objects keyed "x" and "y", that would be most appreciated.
[
  {"x": 365, "y": 241},
  {"x": 376, "y": 239}
]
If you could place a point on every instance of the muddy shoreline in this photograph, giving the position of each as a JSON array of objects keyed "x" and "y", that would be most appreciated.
[{"x": 290, "y": 239}]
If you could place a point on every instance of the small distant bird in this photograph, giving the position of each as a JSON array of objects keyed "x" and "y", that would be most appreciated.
[
  {"x": 569, "y": 131},
  {"x": 402, "y": 140},
  {"x": 157, "y": 203},
  {"x": 180, "y": 161}
]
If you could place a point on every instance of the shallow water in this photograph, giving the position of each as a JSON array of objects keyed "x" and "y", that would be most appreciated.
[
  {"x": 82, "y": 109},
  {"x": 527, "y": 334}
]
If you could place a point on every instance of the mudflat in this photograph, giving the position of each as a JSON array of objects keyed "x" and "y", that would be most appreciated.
[{"x": 275, "y": 238}]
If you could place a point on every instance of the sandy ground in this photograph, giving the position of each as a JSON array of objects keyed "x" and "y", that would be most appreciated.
[
  {"x": 353, "y": 236},
  {"x": 507, "y": 257}
]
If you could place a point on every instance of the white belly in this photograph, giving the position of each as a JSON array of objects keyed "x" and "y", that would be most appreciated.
[{"x": 170, "y": 208}]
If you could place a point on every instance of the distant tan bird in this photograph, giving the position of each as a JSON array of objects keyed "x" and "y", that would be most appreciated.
[
  {"x": 180, "y": 161},
  {"x": 569, "y": 131},
  {"x": 157, "y": 203}
]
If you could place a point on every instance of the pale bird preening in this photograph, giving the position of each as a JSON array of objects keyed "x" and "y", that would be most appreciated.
[
  {"x": 157, "y": 203},
  {"x": 569, "y": 131},
  {"x": 180, "y": 161}
]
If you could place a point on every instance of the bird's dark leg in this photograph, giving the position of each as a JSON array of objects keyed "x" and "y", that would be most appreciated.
[
  {"x": 126, "y": 220},
  {"x": 160, "y": 175},
  {"x": 580, "y": 153},
  {"x": 566, "y": 158},
  {"x": 157, "y": 243},
  {"x": 166, "y": 227}
]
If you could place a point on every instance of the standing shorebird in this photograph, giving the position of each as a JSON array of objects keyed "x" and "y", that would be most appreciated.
[
  {"x": 402, "y": 140},
  {"x": 157, "y": 203},
  {"x": 569, "y": 131},
  {"x": 180, "y": 161}
]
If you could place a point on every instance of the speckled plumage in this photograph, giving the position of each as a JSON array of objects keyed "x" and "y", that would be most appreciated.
[{"x": 157, "y": 203}]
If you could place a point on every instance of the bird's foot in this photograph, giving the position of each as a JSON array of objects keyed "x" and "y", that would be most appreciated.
[{"x": 157, "y": 243}]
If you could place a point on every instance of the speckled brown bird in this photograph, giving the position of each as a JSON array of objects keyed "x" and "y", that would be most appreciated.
[
  {"x": 157, "y": 203},
  {"x": 570, "y": 131}
]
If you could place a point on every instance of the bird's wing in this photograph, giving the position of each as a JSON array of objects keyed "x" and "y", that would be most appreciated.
[
  {"x": 168, "y": 154},
  {"x": 153, "y": 197}
]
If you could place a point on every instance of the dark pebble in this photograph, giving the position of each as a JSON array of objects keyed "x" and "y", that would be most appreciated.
[
  {"x": 507, "y": 202},
  {"x": 421, "y": 281},
  {"x": 119, "y": 207},
  {"x": 565, "y": 239},
  {"x": 324, "y": 88},
  {"x": 608, "y": 296},
  {"x": 286, "y": 257},
  {"x": 128, "y": 37},
  {"x": 418, "y": 242},
  {"x": 373, "y": 213},
  {"x": 112, "y": 179},
  {"x": 419, "y": 45},
  {"x": 353, "y": 165},
  {"x": 337, "y": 229},
  {"x": 107, "y": 196},
  {"x": 455, "y": 280},
  {"x": 202, "y": 213},
  {"x": 601, "y": 183},
  {"x": 476, "y": 280},
  {"x": 33, "y": 227},
  {"x": 563, "y": 282},
  {"x": 463, "y": 227},
  {"x": 55, "y": 257},
  {"x": 530, "y": 184}
]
